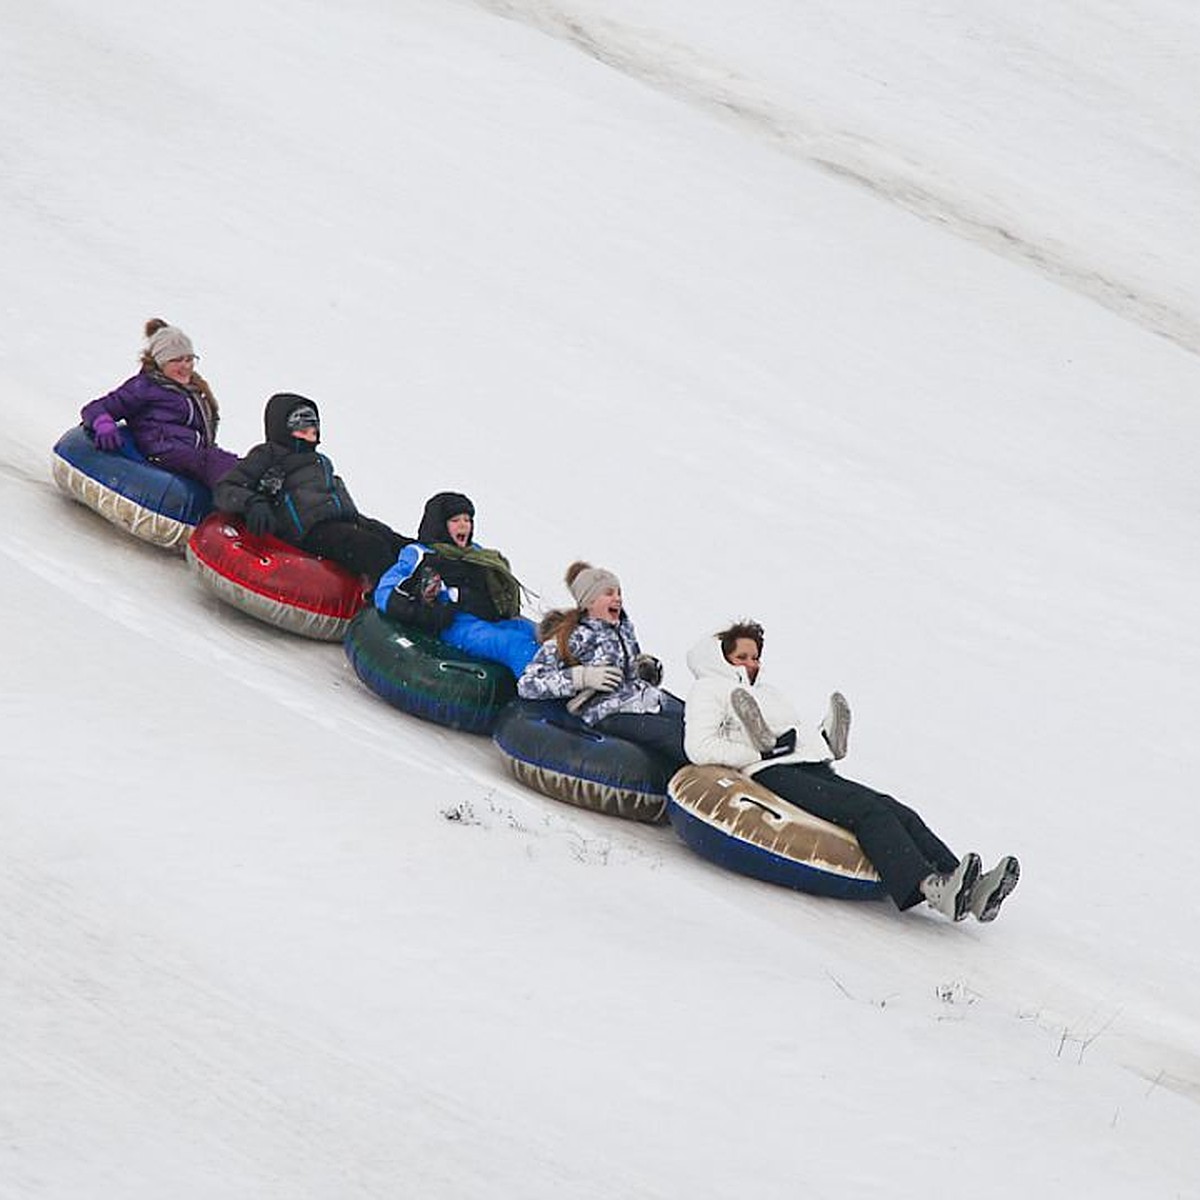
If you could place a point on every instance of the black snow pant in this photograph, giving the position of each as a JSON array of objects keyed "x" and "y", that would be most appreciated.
[
  {"x": 901, "y": 847},
  {"x": 661, "y": 733},
  {"x": 361, "y": 544}
]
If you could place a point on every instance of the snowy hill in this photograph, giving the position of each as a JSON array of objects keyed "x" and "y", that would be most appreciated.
[{"x": 878, "y": 323}]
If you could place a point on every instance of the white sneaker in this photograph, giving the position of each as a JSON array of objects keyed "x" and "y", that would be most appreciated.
[
  {"x": 951, "y": 894},
  {"x": 751, "y": 717},
  {"x": 835, "y": 729},
  {"x": 991, "y": 889}
]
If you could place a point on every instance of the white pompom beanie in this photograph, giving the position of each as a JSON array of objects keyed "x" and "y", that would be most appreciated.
[
  {"x": 590, "y": 583},
  {"x": 167, "y": 343}
]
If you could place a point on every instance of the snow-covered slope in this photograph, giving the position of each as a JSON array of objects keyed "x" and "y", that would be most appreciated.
[{"x": 266, "y": 937}]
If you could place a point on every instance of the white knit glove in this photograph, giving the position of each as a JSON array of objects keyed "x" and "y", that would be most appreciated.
[{"x": 596, "y": 679}]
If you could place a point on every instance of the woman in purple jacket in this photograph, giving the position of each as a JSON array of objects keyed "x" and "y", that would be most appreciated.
[{"x": 168, "y": 410}]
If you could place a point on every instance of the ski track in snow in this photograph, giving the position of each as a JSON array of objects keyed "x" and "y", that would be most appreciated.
[
  {"x": 120, "y": 1012},
  {"x": 684, "y": 74}
]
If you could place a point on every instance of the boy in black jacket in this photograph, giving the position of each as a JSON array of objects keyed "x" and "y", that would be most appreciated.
[{"x": 286, "y": 488}]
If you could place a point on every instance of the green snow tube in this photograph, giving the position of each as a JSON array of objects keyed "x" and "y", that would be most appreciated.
[{"x": 423, "y": 676}]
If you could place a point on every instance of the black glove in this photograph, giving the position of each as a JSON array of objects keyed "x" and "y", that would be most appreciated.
[
  {"x": 260, "y": 517},
  {"x": 440, "y": 616},
  {"x": 271, "y": 482},
  {"x": 424, "y": 584},
  {"x": 785, "y": 743},
  {"x": 649, "y": 668}
]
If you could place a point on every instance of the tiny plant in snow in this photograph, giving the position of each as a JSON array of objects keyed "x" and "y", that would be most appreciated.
[
  {"x": 463, "y": 812},
  {"x": 505, "y": 813},
  {"x": 1083, "y": 1041},
  {"x": 956, "y": 992},
  {"x": 841, "y": 987},
  {"x": 586, "y": 849}
]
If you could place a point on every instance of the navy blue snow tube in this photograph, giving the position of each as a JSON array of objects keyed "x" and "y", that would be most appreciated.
[
  {"x": 739, "y": 824},
  {"x": 558, "y": 755},
  {"x": 125, "y": 488}
]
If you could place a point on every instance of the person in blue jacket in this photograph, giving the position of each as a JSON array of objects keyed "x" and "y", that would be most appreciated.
[{"x": 446, "y": 584}]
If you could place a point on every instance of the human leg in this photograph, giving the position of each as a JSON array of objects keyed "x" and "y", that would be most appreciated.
[
  {"x": 992, "y": 888},
  {"x": 363, "y": 547},
  {"x": 512, "y": 642},
  {"x": 888, "y": 831},
  {"x": 835, "y": 728},
  {"x": 208, "y": 464},
  {"x": 661, "y": 733}
]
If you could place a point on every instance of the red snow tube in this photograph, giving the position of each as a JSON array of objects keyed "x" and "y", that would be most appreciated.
[{"x": 274, "y": 581}]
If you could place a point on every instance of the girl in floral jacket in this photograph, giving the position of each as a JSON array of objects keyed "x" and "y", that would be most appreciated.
[{"x": 590, "y": 657}]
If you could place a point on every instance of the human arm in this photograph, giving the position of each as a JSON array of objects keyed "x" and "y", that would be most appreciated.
[
  {"x": 123, "y": 402},
  {"x": 241, "y": 484},
  {"x": 712, "y": 733},
  {"x": 546, "y": 677},
  {"x": 411, "y": 591},
  {"x": 101, "y": 416},
  {"x": 549, "y": 677},
  {"x": 106, "y": 432}
]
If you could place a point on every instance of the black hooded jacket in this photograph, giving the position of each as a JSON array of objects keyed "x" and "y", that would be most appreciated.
[{"x": 297, "y": 480}]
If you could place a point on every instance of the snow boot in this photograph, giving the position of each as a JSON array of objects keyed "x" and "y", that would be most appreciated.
[
  {"x": 951, "y": 894},
  {"x": 835, "y": 729},
  {"x": 751, "y": 717},
  {"x": 991, "y": 888}
]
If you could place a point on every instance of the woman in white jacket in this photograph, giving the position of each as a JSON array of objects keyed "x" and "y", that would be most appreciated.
[{"x": 735, "y": 720}]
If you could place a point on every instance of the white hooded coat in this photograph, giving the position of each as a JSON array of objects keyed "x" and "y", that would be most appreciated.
[{"x": 713, "y": 733}]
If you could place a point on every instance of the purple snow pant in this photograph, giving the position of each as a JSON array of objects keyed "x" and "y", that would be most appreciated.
[
  {"x": 901, "y": 847},
  {"x": 205, "y": 463}
]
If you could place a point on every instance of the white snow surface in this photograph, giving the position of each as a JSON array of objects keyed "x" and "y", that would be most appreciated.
[{"x": 875, "y": 321}]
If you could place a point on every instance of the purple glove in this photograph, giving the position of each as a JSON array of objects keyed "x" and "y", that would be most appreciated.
[{"x": 108, "y": 436}]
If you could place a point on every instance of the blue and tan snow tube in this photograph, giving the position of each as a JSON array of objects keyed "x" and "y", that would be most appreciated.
[
  {"x": 426, "y": 678},
  {"x": 124, "y": 488},
  {"x": 275, "y": 581},
  {"x": 733, "y": 821},
  {"x": 558, "y": 755}
]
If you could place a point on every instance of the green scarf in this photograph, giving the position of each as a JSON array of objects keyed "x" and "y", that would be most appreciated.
[{"x": 504, "y": 588}]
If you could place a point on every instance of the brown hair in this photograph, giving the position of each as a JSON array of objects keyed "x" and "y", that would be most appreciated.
[
  {"x": 198, "y": 383},
  {"x": 560, "y": 623},
  {"x": 740, "y": 629}
]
